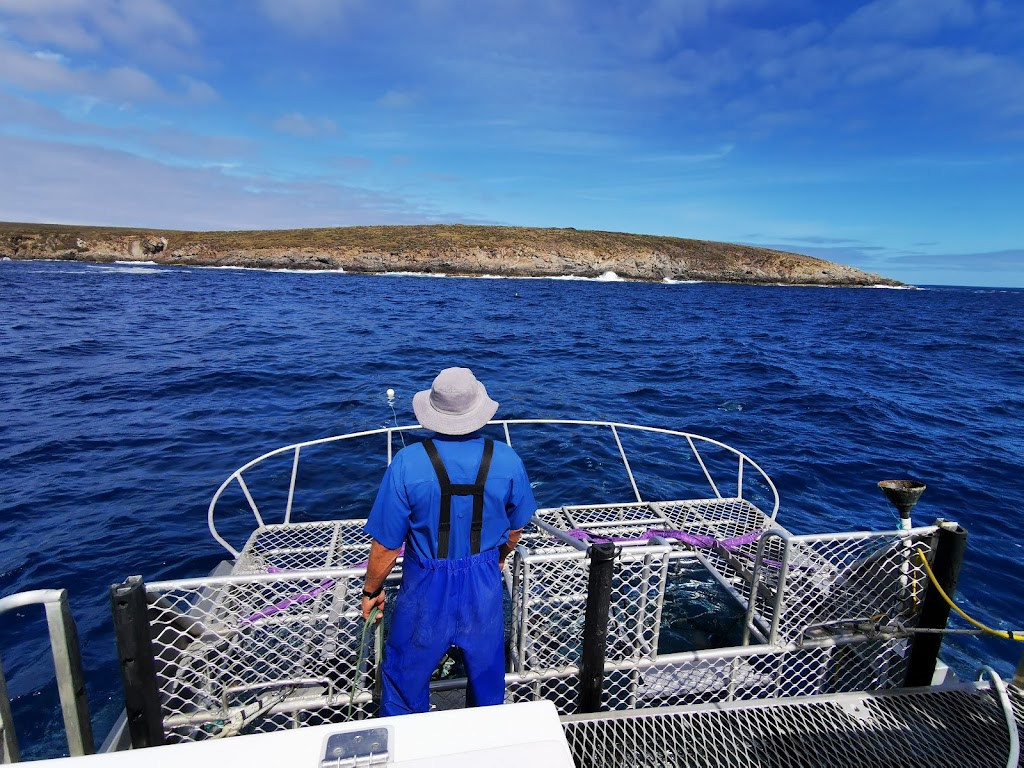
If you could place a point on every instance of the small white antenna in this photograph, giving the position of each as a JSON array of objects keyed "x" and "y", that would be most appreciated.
[{"x": 391, "y": 401}]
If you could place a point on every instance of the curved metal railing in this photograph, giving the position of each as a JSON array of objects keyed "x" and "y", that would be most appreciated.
[{"x": 388, "y": 432}]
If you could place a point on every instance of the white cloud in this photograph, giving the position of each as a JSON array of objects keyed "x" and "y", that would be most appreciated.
[
  {"x": 906, "y": 19},
  {"x": 300, "y": 126},
  {"x": 196, "y": 91},
  {"x": 88, "y": 25},
  {"x": 88, "y": 185},
  {"x": 51, "y": 56},
  {"x": 396, "y": 99},
  {"x": 315, "y": 17},
  {"x": 55, "y": 74}
]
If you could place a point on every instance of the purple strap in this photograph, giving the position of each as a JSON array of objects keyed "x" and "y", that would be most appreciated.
[
  {"x": 302, "y": 597},
  {"x": 288, "y": 602},
  {"x": 693, "y": 539},
  {"x": 701, "y": 541}
]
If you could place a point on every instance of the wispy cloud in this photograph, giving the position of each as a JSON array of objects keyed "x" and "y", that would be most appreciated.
[
  {"x": 57, "y": 74},
  {"x": 70, "y": 183},
  {"x": 309, "y": 17},
  {"x": 906, "y": 19},
  {"x": 298, "y": 125},
  {"x": 89, "y": 25},
  {"x": 397, "y": 99},
  {"x": 687, "y": 158},
  {"x": 817, "y": 240}
]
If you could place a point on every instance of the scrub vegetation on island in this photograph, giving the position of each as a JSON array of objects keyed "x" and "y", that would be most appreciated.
[{"x": 437, "y": 249}]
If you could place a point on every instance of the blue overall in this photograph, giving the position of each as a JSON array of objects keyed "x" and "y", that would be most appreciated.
[{"x": 446, "y": 601}]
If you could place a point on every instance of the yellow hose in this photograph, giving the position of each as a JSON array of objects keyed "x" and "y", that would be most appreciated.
[{"x": 1017, "y": 635}]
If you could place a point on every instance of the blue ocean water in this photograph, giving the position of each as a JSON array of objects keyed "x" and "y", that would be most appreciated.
[{"x": 128, "y": 394}]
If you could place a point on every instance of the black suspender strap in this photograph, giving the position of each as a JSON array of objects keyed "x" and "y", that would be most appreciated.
[
  {"x": 478, "y": 497},
  {"x": 444, "y": 525},
  {"x": 449, "y": 489}
]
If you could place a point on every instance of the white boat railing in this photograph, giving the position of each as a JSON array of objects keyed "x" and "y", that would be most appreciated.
[{"x": 692, "y": 440}]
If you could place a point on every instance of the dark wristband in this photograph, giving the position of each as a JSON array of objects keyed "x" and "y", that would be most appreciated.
[{"x": 371, "y": 595}]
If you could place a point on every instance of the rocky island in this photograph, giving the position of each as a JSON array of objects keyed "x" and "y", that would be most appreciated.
[{"x": 447, "y": 249}]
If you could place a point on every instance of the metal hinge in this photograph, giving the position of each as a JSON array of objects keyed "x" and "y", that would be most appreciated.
[{"x": 354, "y": 749}]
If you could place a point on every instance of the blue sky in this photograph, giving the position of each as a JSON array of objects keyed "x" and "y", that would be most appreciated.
[{"x": 887, "y": 135}]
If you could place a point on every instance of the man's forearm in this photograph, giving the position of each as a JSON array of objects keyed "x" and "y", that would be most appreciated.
[
  {"x": 509, "y": 546},
  {"x": 379, "y": 565}
]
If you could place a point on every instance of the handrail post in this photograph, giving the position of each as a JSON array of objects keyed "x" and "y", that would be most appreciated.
[
  {"x": 67, "y": 663},
  {"x": 8, "y": 738},
  {"x": 595, "y": 627},
  {"x": 625, "y": 463},
  {"x": 755, "y": 582},
  {"x": 924, "y": 647},
  {"x": 138, "y": 670}
]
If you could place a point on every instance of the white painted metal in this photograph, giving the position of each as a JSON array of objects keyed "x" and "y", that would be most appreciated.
[
  {"x": 1011, "y": 720},
  {"x": 291, "y": 486},
  {"x": 625, "y": 461},
  {"x": 499, "y": 737}
]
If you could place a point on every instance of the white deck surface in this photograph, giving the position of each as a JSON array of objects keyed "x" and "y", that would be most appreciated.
[{"x": 527, "y": 734}]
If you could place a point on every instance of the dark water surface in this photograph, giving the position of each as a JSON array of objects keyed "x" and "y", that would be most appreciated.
[{"x": 127, "y": 394}]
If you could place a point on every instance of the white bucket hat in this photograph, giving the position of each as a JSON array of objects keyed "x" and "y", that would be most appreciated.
[{"x": 455, "y": 404}]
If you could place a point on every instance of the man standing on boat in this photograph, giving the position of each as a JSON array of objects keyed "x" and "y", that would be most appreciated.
[{"x": 458, "y": 503}]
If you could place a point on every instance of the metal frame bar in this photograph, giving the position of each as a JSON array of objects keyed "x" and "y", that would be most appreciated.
[
  {"x": 690, "y": 438},
  {"x": 67, "y": 663},
  {"x": 9, "y": 752},
  {"x": 703, "y": 466},
  {"x": 625, "y": 461},
  {"x": 291, "y": 486}
]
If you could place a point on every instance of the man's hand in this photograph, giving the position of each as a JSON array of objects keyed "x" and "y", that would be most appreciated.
[
  {"x": 378, "y": 566},
  {"x": 508, "y": 547},
  {"x": 370, "y": 602}
]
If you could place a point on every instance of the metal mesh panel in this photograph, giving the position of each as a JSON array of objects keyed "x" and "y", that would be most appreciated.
[
  {"x": 233, "y": 656},
  {"x": 264, "y": 651},
  {"x": 616, "y": 519},
  {"x": 549, "y": 601},
  {"x": 836, "y": 581},
  {"x": 548, "y": 609},
  {"x": 303, "y": 546},
  {"x": 753, "y": 673},
  {"x": 562, "y": 689},
  {"x": 725, "y": 519},
  {"x": 721, "y": 518},
  {"x": 935, "y": 728}
]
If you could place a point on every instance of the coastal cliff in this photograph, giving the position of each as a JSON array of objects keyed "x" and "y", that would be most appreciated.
[{"x": 447, "y": 249}]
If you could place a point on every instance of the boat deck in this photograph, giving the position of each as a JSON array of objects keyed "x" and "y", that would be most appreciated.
[{"x": 932, "y": 728}]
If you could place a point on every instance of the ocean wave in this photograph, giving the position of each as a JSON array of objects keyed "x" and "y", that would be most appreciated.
[
  {"x": 126, "y": 270},
  {"x": 125, "y": 403}
]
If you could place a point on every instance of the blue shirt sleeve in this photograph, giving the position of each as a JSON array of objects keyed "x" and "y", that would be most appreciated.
[
  {"x": 388, "y": 521},
  {"x": 521, "y": 504}
]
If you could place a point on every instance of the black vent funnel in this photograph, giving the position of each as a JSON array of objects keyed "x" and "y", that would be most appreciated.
[{"x": 902, "y": 494}]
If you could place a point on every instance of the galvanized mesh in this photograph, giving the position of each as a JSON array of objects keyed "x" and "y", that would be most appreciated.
[
  {"x": 837, "y": 582},
  {"x": 305, "y": 546},
  {"x": 615, "y": 520},
  {"x": 934, "y": 729},
  {"x": 549, "y": 601},
  {"x": 245, "y": 654},
  {"x": 279, "y": 645}
]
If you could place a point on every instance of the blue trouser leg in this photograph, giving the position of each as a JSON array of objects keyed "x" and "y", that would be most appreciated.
[
  {"x": 443, "y": 603},
  {"x": 480, "y": 630},
  {"x": 421, "y": 631}
]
